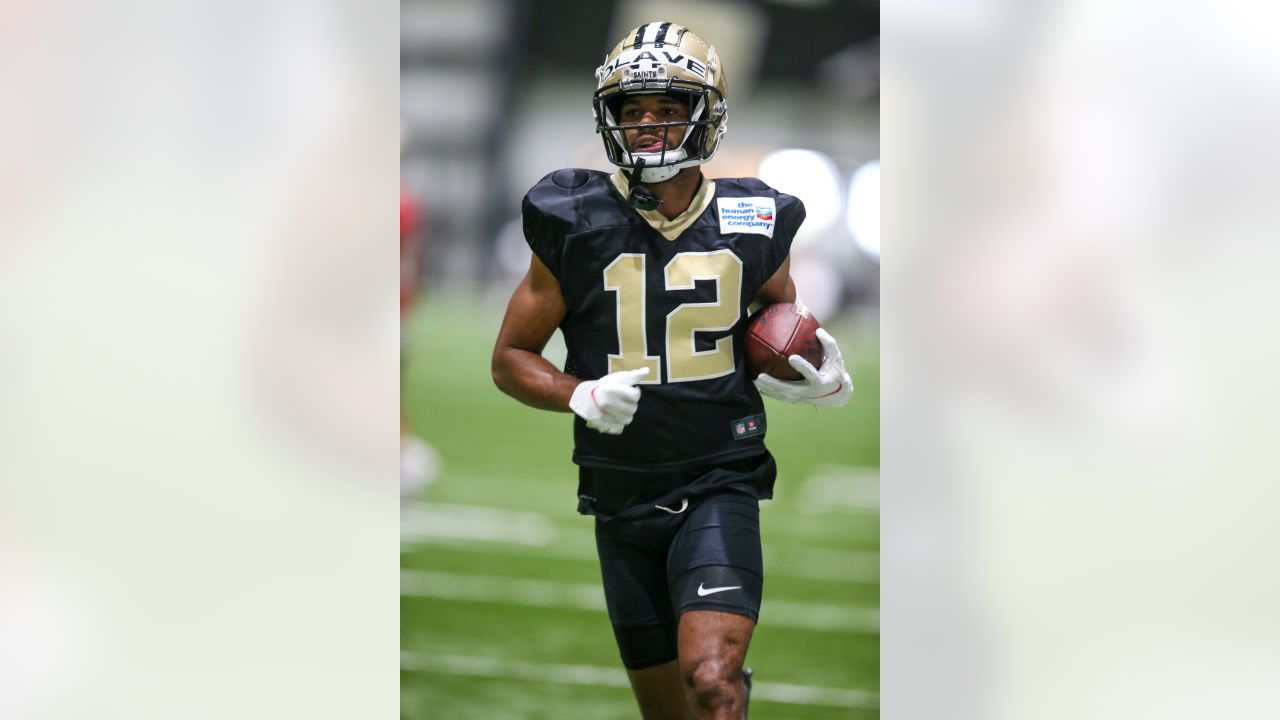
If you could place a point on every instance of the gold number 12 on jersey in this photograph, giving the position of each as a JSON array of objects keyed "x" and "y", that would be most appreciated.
[{"x": 625, "y": 278}]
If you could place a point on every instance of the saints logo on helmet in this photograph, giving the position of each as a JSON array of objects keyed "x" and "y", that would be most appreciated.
[{"x": 662, "y": 58}]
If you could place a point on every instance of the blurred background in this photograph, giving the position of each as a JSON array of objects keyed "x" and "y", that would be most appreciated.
[
  {"x": 198, "y": 363},
  {"x": 502, "y": 614}
]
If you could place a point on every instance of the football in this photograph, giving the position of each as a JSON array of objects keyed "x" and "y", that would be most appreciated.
[{"x": 775, "y": 333}]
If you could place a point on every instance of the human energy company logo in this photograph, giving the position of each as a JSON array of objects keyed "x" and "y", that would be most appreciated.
[{"x": 746, "y": 215}]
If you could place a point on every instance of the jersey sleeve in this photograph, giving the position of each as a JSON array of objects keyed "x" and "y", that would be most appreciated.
[
  {"x": 790, "y": 216},
  {"x": 554, "y": 208},
  {"x": 543, "y": 232}
]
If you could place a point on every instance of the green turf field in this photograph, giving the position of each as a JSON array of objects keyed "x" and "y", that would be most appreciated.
[{"x": 501, "y": 611}]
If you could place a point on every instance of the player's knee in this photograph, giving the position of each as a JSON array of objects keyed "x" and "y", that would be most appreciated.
[{"x": 713, "y": 682}]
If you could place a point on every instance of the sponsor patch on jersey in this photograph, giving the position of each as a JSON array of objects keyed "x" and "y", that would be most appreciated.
[
  {"x": 747, "y": 427},
  {"x": 746, "y": 215}
]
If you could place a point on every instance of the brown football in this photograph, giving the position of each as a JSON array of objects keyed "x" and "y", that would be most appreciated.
[{"x": 775, "y": 333}]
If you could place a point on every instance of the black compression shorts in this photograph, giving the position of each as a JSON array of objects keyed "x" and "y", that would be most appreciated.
[{"x": 702, "y": 553}]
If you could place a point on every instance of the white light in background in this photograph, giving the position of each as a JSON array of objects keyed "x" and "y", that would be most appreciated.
[
  {"x": 810, "y": 176},
  {"x": 863, "y": 210}
]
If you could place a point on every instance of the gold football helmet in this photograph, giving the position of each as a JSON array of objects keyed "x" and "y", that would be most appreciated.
[{"x": 668, "y": 59}]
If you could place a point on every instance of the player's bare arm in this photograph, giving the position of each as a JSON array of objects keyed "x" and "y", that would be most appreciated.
[
  {"x": 519, "y": 370},
  {"x": 779, "y": 288},
  {"x": 535, "y": 311}
]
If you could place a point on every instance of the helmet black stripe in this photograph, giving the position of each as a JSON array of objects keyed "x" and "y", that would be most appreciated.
[
  {"x": 662, "y": 34},
  {"x": 640, "y": 36}
]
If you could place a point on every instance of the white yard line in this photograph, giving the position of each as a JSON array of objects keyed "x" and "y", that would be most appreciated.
[
  {"x": 481, "y": 528},
  {"x": 615, "y": 677},
  {"x": 848, "y": 566},
  {"x": 841, "y": 488},
  {"x": 440, "y": 522},
  {"x": 812, "y": 563},
  {"x": 583, "y": 596}
]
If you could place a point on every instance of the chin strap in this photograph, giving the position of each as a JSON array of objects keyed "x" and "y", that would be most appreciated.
[{"x": 641, "y": 197}]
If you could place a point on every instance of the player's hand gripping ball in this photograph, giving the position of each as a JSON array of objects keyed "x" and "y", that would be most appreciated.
[
  {"x": 775, "y": 333},
  {"x": 795, "y": 360}
]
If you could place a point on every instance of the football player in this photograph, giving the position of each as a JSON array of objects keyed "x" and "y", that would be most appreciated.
[{"x": 649, "y": 273}]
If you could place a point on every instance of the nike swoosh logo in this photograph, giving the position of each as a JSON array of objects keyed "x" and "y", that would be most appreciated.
[{"x": 703, "y": 592}]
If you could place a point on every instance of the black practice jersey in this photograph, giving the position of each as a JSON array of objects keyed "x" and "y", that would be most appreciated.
[{"x": 678, "y": 307}]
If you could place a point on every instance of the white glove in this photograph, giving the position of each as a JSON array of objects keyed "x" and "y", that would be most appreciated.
[
  {"x": 608, "y": 404},
  {"x": 829, "y": 386}
]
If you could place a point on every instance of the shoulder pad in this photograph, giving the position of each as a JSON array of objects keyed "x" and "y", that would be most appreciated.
[
  {"x": 570, "y": 178},
  {"x": 560, "y": 194},
  {"x": 554, "y": 208},
  {"x": 744, "y": 186}
]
